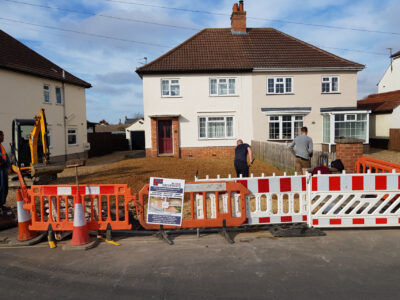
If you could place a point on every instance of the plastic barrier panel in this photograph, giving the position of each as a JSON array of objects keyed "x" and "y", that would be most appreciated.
[
  {"x": 354, "y": 200},
  {"x": 272, "y": 200},
  {"x": 102, "y": 204},
  {"x": 369, "y": 164},
  {"x": 203, "y": 206}
]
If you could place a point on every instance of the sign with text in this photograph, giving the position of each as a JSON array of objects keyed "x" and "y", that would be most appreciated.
[{"x": 165, "y": 204}]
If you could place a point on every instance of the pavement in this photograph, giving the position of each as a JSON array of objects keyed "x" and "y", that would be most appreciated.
[{"x": 351, "y": 264}]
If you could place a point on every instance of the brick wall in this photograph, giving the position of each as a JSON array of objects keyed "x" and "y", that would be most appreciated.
[
  {"x": 175, "y": 136},
  {"x": 238, "y": 21},
  {"x": 208, "y": 152},
  {"x": 348, "y": 152}
]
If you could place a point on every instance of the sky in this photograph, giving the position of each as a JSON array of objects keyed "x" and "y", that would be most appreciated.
[{"x": 104, "y": 41}]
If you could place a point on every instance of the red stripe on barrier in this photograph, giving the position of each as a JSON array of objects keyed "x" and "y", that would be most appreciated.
[
  {"x": 334, "y": 183},
  {"x": 263, "y": 186},
  {"x": 264, "y": 220},
  {"x": 82, "y": 190},
  {"x": 335, "y": 221},
  {"x": 243, "y": 182},
  {"x": 246, "y": 221},
  {"x": 304, "y": 183},
  {"x": 380, "y": 182},
  {"x": 357, "y": 183},
  {"x": 358, "y": 221},
  {"x": 315, "y": 222},
  {"x": 286, "y": 219},
  {"x": 399, "y": 182},
  {"x": 50, "y": 190},
  {"x": 286, "y": 184},
  {"x": 381, "y": 221},
  {"x": 107, "y": 189},
  {"x": 399, "y": 220},
  {"x": 305, "y": 218},
  {"x": 314, "y": 183}
]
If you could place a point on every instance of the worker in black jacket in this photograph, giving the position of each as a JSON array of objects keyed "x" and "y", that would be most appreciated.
[{"x": 240, "y": 162}]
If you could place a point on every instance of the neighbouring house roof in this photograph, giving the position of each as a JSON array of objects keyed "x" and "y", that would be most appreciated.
[
  {"x": 17, "y": 57},
  {"x": 382, "y": 102},
  {"x": 395, "y": 54},
  {"x": 111, "y": 128},
  {"x": 218, "y": 49}
]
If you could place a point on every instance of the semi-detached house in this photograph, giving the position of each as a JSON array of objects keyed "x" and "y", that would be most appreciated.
[{"x": 223, "y": 84}]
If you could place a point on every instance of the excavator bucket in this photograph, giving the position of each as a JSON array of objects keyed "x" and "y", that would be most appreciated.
[{"x": 38, "y": 170}]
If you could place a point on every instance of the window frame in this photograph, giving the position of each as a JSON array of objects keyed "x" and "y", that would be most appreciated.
[
  {"x": 48, "y": 91},
  {"x": 76, "y": 136},
  {"x": 284, "y": 78},
  {"x": 61, "y": 95},
  {"x": 225, "y": 127},
  {"x": 169, "y": 87},
  {"x": 217, "y": 87},
  {"x": 280, "y": 121},
  {"x": 330, "y": 82}
]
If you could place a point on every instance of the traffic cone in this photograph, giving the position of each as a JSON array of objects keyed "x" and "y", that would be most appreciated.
[
  {"x": 24, "y": 220},
  {"x": 80, "y": 232}
]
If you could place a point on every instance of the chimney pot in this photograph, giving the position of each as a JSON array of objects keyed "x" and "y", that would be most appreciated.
[{"x": 238, "y": 19}]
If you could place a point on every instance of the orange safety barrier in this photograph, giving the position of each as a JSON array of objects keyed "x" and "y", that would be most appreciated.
[
  {"x": 218, "y": 188},
  {"x": 102, "y": 205},
  {"x": 375, "y": 165}
]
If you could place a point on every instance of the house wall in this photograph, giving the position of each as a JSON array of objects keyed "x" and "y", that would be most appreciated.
[
  {"x": 22, "y": 98},
  {"x": 306, "y": 93},
  {"x": 391, "y": 79},
  {"x": 380, "y": 124},
  {"x": 137, "y": 126},
  {"x": 194, "y": 102}
]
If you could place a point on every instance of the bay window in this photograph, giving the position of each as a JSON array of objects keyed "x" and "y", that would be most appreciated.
[{"x": 218, "y": 127}]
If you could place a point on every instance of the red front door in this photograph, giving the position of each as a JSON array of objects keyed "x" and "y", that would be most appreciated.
[{"x": 165, "y": 136}]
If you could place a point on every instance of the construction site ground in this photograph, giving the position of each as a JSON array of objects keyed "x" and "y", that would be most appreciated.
[{"x": 132, "y": 168}]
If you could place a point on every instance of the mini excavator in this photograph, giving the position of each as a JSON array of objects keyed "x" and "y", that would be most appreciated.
[{"x": 30, "y": 148}]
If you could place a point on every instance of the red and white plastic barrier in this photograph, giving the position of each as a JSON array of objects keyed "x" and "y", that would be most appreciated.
[
  {"x": 273, "y": 200},
  {"x": 354, "y": 200}
]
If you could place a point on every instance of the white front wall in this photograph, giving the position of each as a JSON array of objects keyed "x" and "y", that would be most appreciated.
[
  {"x": 381, "y": 123},
  {"x": 22, "y": 97},
  {"x": 194, "y": 102},
  {"x": 391, "y": 79},
  {"x": 307, "y": 92}
]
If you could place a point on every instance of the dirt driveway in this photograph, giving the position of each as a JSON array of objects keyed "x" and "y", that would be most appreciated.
[{"x": 135, "y": 170}]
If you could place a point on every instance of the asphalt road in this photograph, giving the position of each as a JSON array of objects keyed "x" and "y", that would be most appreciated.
[{"x": 350, "y": 264}]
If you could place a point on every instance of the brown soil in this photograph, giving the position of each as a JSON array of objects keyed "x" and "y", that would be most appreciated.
[
  {"x": 136, "y": 172},
  {"x": 387, "y": 155}
]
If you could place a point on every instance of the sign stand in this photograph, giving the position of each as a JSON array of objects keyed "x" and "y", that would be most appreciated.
[
  {"x": 162, "y": 235},
  {"x": 224, "y": 232}
]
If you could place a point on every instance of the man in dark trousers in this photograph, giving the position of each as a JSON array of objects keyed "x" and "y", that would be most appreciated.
[
  {"x": 240, "y": 162},
  {"x": 303, "y": 151},
  {"x": 4, "y": 166}
]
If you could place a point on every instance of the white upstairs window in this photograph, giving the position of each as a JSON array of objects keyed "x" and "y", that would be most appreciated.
[
  {"x": 170, "y": 88},
  {"x": 222, "y": 86},
  {"x": 46, "y": 93},
  {"x": 279, "y": 85},
  {"x": 330, "y": 84}
]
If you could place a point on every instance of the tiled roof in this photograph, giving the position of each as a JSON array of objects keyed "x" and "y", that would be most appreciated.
[
  {"x": 111, "y": 127},
  {"x": 396, "y": 54},
  {"x": 382, "y": 102},
  {"x": 16, "y": 56},
  {"x": 217, "y": 49}
]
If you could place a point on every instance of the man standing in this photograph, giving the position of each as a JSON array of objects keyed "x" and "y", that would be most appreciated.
[
  {"x": 4, "y": 166},
  {"x": 240, "y": 162},
  {"x": 303, "y": 151}
]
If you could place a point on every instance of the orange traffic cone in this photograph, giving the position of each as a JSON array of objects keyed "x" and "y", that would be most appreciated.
[
  {"x": 24, "y": 220},
  {"x": 80, "y": 233}
]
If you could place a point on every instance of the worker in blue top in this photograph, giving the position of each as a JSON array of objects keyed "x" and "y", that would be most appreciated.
[
  {"x": 4, "y": 166},
  {"x": 240, "y": 162}
]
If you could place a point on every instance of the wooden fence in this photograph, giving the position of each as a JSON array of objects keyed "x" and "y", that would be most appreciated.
[
  {"x": 278, "y": 155},
  {"x": 394, "y": 139},
  {"x": 102, "y": 143}
]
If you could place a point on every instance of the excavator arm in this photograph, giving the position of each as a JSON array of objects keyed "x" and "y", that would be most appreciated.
[{"x": 39, "y": 131}]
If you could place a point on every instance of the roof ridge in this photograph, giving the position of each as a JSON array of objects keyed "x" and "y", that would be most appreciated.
[
  {"x": 316, "y": 48},
  {"x": 20, "y": 44},
  {"x": 172, "y": 50}
]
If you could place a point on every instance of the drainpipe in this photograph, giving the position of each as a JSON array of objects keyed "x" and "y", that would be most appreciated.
[{"x": 64, "y": 118}]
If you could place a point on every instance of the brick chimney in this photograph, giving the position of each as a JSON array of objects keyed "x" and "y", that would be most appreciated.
[{"x": 238, "y": 18}]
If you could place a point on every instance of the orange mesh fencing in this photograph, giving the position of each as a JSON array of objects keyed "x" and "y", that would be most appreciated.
[
  {"x": 363, "y": 164},
  {"x": 102, "y": 204},
  {"x": 204, "y": 190}
]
